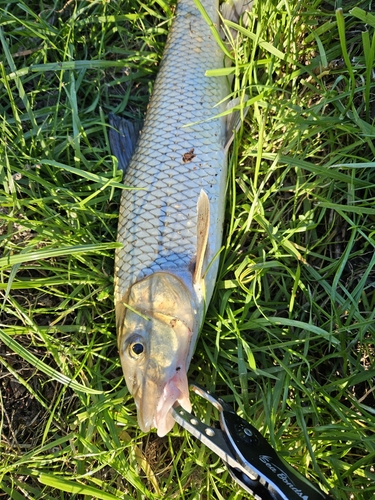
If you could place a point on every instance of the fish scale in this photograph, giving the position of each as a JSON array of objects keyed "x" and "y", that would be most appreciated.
[{"x": 158, "y": 221}]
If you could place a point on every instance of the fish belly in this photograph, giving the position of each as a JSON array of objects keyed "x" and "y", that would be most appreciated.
[{"x": 180, "y": 152}]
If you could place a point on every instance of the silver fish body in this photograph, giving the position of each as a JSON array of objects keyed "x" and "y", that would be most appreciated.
[{"x": 179, "y": 159}]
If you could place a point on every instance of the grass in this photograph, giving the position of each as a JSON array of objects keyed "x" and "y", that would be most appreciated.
[{"x": 289, "y": 335}]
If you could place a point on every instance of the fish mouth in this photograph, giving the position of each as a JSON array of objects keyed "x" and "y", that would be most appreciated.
[{"x": 153, "y": 410}]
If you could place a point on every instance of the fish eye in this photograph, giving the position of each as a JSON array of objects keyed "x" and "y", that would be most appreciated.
[{"x": 136, "y": 346}]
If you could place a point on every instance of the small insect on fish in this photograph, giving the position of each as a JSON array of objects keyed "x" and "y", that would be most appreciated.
[{"x": 171, "y": 226}]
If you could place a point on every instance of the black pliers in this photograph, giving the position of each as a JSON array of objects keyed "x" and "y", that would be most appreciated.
[{"x": 251, "y": 460}]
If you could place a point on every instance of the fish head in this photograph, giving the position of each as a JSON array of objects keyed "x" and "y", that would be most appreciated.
[{"x": 156, "y": 333}]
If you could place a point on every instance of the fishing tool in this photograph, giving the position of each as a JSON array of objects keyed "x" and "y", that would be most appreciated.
[{"x": 250, "y": 459}]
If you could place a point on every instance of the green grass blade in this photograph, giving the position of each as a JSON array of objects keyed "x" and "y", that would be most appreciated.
[
  {"x": 49, "y": 253},
  {"x": 40, "y": 365}
]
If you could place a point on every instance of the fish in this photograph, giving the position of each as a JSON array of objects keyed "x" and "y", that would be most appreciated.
[{"x": 171, "y": 223}]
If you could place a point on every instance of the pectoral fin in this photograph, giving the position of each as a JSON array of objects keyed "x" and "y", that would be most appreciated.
[
  {"x": 203, "y": 227},
  {"x": 123, "y": 137}
]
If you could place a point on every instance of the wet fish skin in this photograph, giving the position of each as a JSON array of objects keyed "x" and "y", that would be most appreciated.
[{"x": 180, "y": 158}]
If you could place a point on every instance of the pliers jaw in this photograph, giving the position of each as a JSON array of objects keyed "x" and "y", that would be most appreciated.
[{"x": 250, "y": 459}]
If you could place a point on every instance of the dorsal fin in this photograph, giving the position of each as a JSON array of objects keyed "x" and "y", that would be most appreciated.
[
  {"x": 203, "y": 227},
  {"x": 123, "y": 137}
]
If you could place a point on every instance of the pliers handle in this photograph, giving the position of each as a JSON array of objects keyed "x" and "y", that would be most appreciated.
[{"x": 250, "y": 459}]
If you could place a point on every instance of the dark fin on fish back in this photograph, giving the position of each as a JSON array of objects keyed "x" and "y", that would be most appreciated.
[{"x": 123, "y": 137}]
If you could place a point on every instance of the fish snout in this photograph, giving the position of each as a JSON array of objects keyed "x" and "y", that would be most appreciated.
[
  {"x": 156, "y": 399},
  {"x": 146, "y": 401}
]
